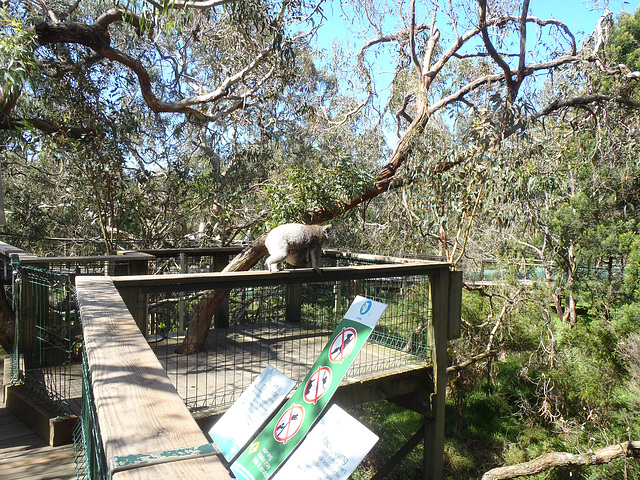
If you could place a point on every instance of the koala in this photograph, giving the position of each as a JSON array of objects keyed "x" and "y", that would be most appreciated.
[{"x": 296, "y": 244}]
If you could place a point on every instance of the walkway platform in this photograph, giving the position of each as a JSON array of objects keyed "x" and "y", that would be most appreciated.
[{"x": 26, "y": 456}]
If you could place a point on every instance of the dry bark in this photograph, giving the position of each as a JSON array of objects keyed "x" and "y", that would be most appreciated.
[{"x": 564, "y": 459}]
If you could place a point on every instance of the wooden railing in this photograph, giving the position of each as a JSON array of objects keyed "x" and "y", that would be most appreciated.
[{"x": 139, "y": 412}]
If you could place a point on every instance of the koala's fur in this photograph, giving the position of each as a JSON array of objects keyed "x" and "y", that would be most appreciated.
[{"x": 296, "y": 244}]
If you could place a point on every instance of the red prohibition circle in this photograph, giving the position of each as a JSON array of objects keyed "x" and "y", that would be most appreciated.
[
  {"x": 289, "y": 423},
  {"x": 317, "y": 385},
  {"x": 343, "y": 344}
]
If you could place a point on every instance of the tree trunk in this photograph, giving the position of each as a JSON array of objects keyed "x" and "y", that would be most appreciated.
[
  {"x": 196, "y": 337},
  {"x": 563, "y": 459},
  {"x": 557, "y": 300},
  {"x": 571, "y": 311}
]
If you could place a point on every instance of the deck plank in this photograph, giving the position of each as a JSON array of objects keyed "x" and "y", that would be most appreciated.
[{"x": 26, "y": 456}]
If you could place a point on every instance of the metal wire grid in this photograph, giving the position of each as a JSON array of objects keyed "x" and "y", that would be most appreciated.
[
  {"x": 261, "y": 332},
  {"x": 185, "y": 263},
  {"x": 48, "y": 336},
  {"x": 97, "y": 267},
  {"x": 88, "y": 449}
]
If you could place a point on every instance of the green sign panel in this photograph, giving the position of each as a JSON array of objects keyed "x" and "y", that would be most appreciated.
[{"x": 274, "y": 444}]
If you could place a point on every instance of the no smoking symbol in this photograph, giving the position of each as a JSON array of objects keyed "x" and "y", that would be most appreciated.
[
  {"x": 343, "y": 345},
  {"x": 289, "y": 423},
  {"x": 317, "y": 384}
]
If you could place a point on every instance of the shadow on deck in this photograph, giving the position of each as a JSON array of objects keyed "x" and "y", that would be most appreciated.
[{"x": 26, "y": 456}]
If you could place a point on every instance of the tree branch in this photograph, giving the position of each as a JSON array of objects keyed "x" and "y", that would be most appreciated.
[
  {"x": 96, "y": 37},
  {"x": 564, "y": 459},
  {"x": 399, "y": 36},
  {"x": 470, "y": 361},
  {"x": 482, "y": 14},
  {"x": 10, "y": 123},
  {"x": 196, "y": 5},
  {"x": 523, "y": 43}
]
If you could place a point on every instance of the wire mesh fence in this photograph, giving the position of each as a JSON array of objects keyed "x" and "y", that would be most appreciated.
[
  {"x": 89, "y": 452},
  {"x": 285, "y": 326},
  {"x": 48, "y": 338}
]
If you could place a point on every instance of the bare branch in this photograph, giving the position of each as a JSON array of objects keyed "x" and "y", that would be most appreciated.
[
  {"x": 400, "y": 36},
  {"x": 523, "y": 42},
  {"x": 45, "y": 126},
  {"x": 584, "y": 101},
  {"x": 470, "y": 361},
  {"x": 482, "y": 14},
  {"x": 564, "y": 459},
  {"x": 194, "y": 4},
  {"x": 412, "y": 40},
  {"x": 96, "y": 37}
]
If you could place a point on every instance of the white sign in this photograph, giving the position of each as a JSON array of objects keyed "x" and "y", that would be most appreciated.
[
  {"x": 331, "y": 451},
  {"x": 256, "y": 404},
  {"x": 365, "y": 311}
]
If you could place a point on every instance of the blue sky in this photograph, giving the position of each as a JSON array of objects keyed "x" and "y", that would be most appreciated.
[{"x": 580, "y": 16}]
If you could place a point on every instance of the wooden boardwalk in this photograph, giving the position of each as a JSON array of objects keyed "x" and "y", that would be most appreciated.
[
  {"x": 26, "y": 456},
  {"x": 212, "y": 380}
]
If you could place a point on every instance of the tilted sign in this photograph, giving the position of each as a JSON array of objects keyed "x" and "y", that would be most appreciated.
[
  {"x": 278, "y": 439},
  {"x": 333, "y": 449},
  {"x": 247, "y": 414}
]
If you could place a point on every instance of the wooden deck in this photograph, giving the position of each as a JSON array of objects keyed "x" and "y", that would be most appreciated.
[
  {"x": 25, "y": 456},
  {"x": 209, "y": 382}
]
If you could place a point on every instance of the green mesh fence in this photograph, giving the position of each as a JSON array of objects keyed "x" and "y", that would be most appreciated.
[
  {"x": 89, "y": 452},
  {"x": 285, "y": 326},
  {"x": 48, "y": 338}
]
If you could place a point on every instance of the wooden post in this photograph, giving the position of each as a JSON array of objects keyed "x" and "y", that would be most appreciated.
[
  {"x": 293, "y": 302},
  {"x": 136, "y": 302},
  {"x": 434, "y": 422},
  {"x": 221, "y": 316},
  {"x": 455, "y": 305}
]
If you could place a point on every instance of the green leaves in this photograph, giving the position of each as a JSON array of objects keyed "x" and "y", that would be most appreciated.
[
  {"x": 303, "y": 189},
  {"x": 624, "y": 40},
  {"x": 16, "y": 53}
]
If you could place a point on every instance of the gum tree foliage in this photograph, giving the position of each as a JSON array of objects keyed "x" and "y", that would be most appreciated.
[
  {"x": 176, "y": 111},
  {"x": 228, "y": 67},
  {"x": 570, "y": 367}
]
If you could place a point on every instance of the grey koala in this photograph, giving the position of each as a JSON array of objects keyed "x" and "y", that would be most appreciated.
[{"x": 296, "y": 244}]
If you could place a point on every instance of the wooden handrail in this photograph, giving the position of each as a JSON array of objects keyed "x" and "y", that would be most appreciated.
[
  {"x": 31, "y": 260},
  {"x": 213, "y": 280},
  {"x": 139, "y": 411}
]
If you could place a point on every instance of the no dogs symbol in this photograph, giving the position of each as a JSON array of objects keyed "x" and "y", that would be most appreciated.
[
  {"x": 343, "y": 345},
  {"x": 289, "y": 423},
  {"x": 317, "y": 384}
]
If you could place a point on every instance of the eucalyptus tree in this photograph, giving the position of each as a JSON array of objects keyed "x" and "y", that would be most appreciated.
[
  {"x": 222, "y": 65},
  {"x": 88, "y": 87}
]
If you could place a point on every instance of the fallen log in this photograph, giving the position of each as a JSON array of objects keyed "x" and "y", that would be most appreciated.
[{"x": 564, "y": 459}]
